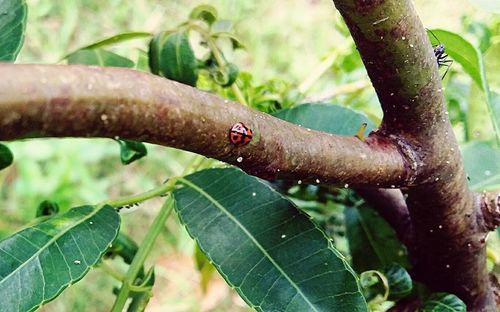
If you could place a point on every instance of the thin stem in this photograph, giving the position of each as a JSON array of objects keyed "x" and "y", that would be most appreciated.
[
  {"x": 142, "y": 253},
  {"x": 157, "y": 191},
  {"x": 221, "y": 62},
  {"x": 111, "y": 271}
]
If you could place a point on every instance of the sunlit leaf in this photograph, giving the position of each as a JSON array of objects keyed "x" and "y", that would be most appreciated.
[
  {"x": 39, "y": 262},
  {"x": 443, "y": 302},
  {"x": 113, "y": 40},
  {"x": 204, "y": 12},
  {"x": 464, "y": 53},
  {"x": 264, "y": 247},
  {"x": 235, "y": 40},
  {"x": 99, "y": 57},
  {"x": 13, "y": 14}
]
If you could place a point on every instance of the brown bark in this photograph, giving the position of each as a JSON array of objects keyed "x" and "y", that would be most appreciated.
[
  {"x": 391, "y": 205},
  {"x": 414, "y": 148},
  {"x": 81, "y": 101},
  {"x": 449, "y": 249}
]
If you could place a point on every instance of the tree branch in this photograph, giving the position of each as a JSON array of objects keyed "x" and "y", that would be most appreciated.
[
  {"x": 81, "y": 101},
  {"x": 449, "y": 247},
  {"x": 490, "y": 209},
  {"x": 391, "y": 205}
]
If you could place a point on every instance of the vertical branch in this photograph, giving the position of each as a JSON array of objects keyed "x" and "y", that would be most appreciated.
[{"x": 449, "y": 249}]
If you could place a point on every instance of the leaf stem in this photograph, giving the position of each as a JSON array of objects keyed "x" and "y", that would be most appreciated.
[
  {"x": 111, "y": 271},
  {"x": 143, "y": 252},
  {"x": 157, "y": 191}
]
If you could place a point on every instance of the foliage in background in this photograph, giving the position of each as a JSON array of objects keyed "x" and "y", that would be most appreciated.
[{"x": 201, "y": 49}]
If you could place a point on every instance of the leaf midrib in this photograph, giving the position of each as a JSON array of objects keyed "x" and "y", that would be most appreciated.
[
  {"x": 52, "y": 240},
  {"x": 259, "y": 246}
]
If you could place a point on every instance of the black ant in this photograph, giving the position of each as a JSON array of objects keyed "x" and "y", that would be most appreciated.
[{"x": 441, "y": 56}]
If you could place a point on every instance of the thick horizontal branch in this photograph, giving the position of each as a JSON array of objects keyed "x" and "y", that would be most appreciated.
[{"x": 81, "y": 101}]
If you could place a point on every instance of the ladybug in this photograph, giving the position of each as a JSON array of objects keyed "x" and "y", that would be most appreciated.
[{"x": 239, "y": 134}]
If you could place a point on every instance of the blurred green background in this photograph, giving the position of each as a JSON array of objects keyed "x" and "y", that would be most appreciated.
[{"x": 286, "y": 39}]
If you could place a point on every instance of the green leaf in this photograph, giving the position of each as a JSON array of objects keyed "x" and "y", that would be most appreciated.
[
  {"x": 329, "y": 118},
  {"x": 99, "y": 57},
  {"x": 464, "y": 53},
  {"x": 171, "y": 56},
  {"x": 39, "y": 262},
  {"x": 461, "y": 51},
  {"x": 131, "y": 151},
  {"x": 6, "y": 157},
  {"x": 47, "y": 208},
  {"x": 400, "y": 284},
  {"x": 482, "y": 165},
  {"x": 235, "y": 40},
  {"x": 269, "y": 251},
  {"x": 124, "y": 247},
  {"x": 372, "y": 242},
  {"x": 112, "y": 41},
  {"x": 13, "y": 14},
  {"x": 443, "y": 302},
  {"x": 205, "y": 13},
  {"x": 224, "y": 76}
]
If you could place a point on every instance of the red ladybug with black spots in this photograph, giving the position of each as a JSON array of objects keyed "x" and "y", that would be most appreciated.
[{"x": 239, "y": 134}]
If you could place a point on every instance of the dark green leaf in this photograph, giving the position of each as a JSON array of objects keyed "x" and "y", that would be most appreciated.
[
  {"x": 268, "y": 250},
  {"x": 372, "y": 242},
  {"x": 482, "y": 165},
  {"x": 37, "y": 263},
  {"x": 443, "y": 302},
  {"x": 6, "y": 157},
  {"x": 226, "y": 75},
  {"x": 113, "y": 40},
  {"x": 47, "y": 208},
  {"x": 99, "y": 57},
  {"x": 171, "y": 56},
  {"x": 204, "y": 12},
  {"x": 13, "y": 14},
  {"x": 131, "y": 151},
  {"x": 326, "y": 117},
  {"x": 124, "y": 247},
  {"x": 400, "y": 283}
]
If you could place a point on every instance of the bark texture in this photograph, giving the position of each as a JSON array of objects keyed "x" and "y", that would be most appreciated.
[
  {"x": 447, "y": 223},
  {"x": 442, "y": 222},
  {"x": 82, "y": 101}
]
